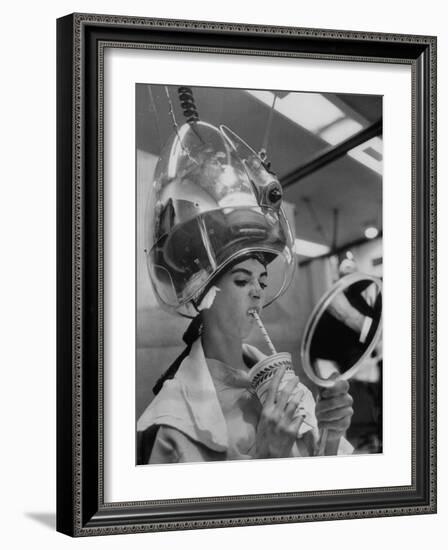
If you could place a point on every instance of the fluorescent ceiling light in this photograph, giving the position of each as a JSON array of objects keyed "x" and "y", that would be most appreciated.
[
  {"x": 340, "y": 130},
  {"x": 362, "y": 155},
  {"x": 311, "y": 111},
  {"x": 318, "y": 115},
  {"x": 310, "y": 249}
]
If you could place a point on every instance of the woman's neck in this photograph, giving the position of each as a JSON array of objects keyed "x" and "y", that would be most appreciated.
[{"x": 223, "y": 347}]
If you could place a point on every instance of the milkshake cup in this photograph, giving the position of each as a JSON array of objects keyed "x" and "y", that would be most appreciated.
[{"x": 262, "y": 373}]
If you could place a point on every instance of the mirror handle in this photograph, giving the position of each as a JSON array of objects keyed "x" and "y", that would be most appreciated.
[{"x": 322, "y": 442}]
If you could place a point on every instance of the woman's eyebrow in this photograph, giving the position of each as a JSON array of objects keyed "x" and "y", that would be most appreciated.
[{"x": 247, "y": 272}]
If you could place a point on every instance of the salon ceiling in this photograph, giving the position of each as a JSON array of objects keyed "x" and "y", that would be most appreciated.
[{"x": 345, "y": 185}]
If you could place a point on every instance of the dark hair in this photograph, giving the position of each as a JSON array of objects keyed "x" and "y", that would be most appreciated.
[
  {"x": 263, "y": 257},
  {"x": 192, "y": 333}
]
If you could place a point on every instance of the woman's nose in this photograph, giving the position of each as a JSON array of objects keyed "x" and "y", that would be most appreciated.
[{"x": 255, "y": 290}]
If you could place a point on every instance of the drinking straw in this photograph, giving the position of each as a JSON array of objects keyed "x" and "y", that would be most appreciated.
[{"x": 255, "y": 315}]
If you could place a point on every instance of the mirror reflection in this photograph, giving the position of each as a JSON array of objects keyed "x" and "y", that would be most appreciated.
[
  {"x": 342, "y": 342},
  {"x": 345, "y": 328}
]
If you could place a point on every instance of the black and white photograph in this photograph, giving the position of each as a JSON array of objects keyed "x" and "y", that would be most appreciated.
[
  {"x": 259, "y": 274},
  {"x": 222, "y": 298},
  {"x": 246, "y": 276}
]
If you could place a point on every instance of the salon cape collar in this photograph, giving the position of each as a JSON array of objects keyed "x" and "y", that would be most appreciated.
[{"x": 189, "y": 403}]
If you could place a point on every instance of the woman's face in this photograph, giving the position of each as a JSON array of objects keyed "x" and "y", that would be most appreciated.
[{"x": 241, "y": 289}]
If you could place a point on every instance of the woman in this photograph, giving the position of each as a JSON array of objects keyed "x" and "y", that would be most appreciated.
[
  {"x": 208, "y": 410},
  {"x": 216, "y": 229}
]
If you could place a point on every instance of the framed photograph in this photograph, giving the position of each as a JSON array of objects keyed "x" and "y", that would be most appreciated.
[{"x": 246, "y": 275}]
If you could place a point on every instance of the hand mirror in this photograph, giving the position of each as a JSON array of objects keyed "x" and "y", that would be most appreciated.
[{"x": 343, "y": 329}]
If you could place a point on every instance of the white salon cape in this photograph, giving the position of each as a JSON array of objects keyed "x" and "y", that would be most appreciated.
[{"x": 209, "y": 412}]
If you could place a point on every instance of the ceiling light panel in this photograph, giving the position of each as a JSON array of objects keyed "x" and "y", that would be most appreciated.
[
  {"x": 340, "y": 130},
  {"x": 309, "y": 110},
  {"x": 318, "y": 115},
  {"x": 309, "y": 248},
  {"x": 361, "y": 154}
]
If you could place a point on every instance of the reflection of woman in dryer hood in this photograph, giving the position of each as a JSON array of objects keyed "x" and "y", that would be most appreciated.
[{"x": 216, "y": 229}]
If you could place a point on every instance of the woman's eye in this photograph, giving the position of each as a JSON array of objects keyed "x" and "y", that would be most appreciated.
[{"x": 240, "y": 282}]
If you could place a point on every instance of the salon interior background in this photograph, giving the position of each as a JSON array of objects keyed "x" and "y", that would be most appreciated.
[{"x": 326, "y": 150}]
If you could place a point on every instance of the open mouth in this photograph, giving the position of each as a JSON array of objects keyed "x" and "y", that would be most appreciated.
[{"x": 253, "y": 311}]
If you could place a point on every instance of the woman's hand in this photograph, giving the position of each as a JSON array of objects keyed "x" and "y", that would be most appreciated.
[
  {"x": 334, "y": 412},
  {"x": 277, "y": 428}
]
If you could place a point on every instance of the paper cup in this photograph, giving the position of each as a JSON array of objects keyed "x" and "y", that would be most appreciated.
[
  {"x": 262, "y": 373},
  {"x": 261, "y": 376}
]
